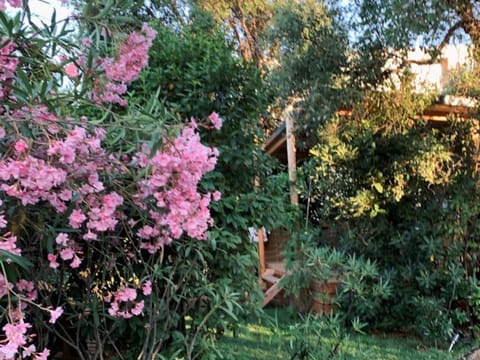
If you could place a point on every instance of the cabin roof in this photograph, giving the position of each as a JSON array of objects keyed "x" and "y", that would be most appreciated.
[{"x": 446, "y": 105}]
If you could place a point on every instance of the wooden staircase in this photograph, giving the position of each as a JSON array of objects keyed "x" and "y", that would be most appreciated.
[
  {"x": 271, "y": 279},
  {"x": 270, "y": 274}
]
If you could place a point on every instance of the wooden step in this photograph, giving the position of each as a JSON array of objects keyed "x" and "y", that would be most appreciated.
[
  {"x": 273, "y": 290},
  {"x": 272, "y": 279}
]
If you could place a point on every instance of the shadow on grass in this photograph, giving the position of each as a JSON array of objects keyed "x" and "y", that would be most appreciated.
[{"x": 268, "y": 340}]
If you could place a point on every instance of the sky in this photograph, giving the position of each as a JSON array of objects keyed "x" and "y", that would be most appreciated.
[{"x": 44, "y": 9}]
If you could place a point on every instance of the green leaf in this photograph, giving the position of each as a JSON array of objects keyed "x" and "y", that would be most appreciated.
[
  {"x": 378, "y": 186},
  {"x": 20, "y": 261}
]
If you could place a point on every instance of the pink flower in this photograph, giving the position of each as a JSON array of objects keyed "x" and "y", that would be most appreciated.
[
  {"x": 2, "y": 132},
  {"x": 21, "y": 146},
  {"x": 53, "y": 261},
  {"x": 16, "y": 338},
  {"x": 67, "y": 254},
  {"x": 89, "y": 235},
  {"x": 62, "y": 239},
  {"x": 67, "y": 154},
  {"x": 147, "y": 288},
  {"x": 28, "y": 351},
  {"x": 138, "y": 308},
  {"x": 15, "y": 3},
  {"x": 112, "y": 200},
  {"x": 43, "y": 355},
  {"x": 126, "y": 294},
  {"x": 132, "y": 57},
  {"x": 9, "y": 243},
  {"x": 216, "y": 120},
  {"x": 55, "y": 314},
  {"x": 76, "y": 219},
  {"x": 71, "y": 70},
  {"x": 75, "y": 262},
  {"x": 27, "y": 289},
  {"x": 86, "y": 42},
  {"x": 3, "y": 222},
  {"x": 5, "y": 286},
  {"x": 216, "y": 195}
]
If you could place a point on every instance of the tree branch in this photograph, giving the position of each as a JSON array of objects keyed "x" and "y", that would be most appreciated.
[
  {"x": 446, "y": 39},
  {"x": 471, "y": 25}
]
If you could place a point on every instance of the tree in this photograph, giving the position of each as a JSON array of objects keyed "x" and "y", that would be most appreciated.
[
  {"x": 246, "y": 22},
  {"x": 398, "y": 25},
  {"x": 194, "y": 71},
  {"x": 378, "y": 171}
]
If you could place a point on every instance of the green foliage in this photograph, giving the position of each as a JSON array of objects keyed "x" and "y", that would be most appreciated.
[
  {"x": 398, "y": 24},
  {"x": 402, "y": 194},
  {"x": 361, "y": 288},
  {"x": 312, "y": 58},
  {"x": 315, "y": 336},
  {"x": 433, "y": 322},
  {"x": 192, "y": 73}
]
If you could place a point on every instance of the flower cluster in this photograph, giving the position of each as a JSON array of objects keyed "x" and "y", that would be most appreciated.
[
  {"x": 54, "y": 166},
  {"x": 17, "y": 340},
  {"x": 170, "y": 190},
  {"x": 124, "y": 304},
  {"x": 8, "y": 65},
  {"x": 13, "y": 3},
  {"x": 131, "y": 58}
]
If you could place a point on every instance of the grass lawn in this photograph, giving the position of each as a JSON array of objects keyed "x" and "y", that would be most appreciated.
[{"x": 267, "y": 340}]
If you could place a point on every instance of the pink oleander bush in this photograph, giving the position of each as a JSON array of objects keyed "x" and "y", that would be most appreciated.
[{"x": 80, "y": 224}]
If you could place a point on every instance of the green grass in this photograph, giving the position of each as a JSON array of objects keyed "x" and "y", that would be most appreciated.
[{"x": 268, "y": 340}]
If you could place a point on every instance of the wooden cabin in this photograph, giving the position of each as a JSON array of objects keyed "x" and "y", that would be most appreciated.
[{"x": 281, "y": 144}]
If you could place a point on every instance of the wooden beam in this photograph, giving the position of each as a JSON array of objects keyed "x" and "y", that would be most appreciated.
[
  {"x": 291, "y": 155},
  {"x": 261, "y": 252}
]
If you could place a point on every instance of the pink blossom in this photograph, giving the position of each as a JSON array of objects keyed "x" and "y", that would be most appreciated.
[
  {"x": 28, "y": 351},
  {"x": 5, "y": 286},
  {"x": 71, "y": 70},
  {"x": 2, "y": 132},
  {"x": 126, "y": 294},
  {"x": 124, "y": 305},
  {"x": 43, "y": 355},
  {"x": 147, "y": 232},
  {"x": 15, "y": 3},
  {"x": 55, "y": 314},
  {"x": 8, "y": 63},
  {"x": 62, "y": 239},
  {"x": 90, "y": 235},
  {"x": 53, "y": 261},
  {"x": 86, "y": 42},
  {"x": 16, "y": 338},
  {"x": 3, "y": 222},
  {"x": 147, "y": 288},
  {"x": 138, "y": 308},
  {"x": 75, "y": 262},
  {"x": 216, "y": 120},
  {"x": 112, "y": 200},
  {"x": 8, "y": 351},
  {"x": 67, "y": 154},
  {"x": 216, "y": 195},
  {"x": 9, "y": 243},
  {"x": 21, "y": 146},
  {"x": 131, "y": 58},
  {"x": 27, "y": 288},
  {"x": 67, "y": 254},
  {"x": 65, "y": 194},
  {"x": 76, "y": 219}
]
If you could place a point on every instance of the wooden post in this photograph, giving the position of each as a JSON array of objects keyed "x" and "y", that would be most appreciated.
[
  {"x": 291, "y": 155},
  {"x": 261, "y": 252}
]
